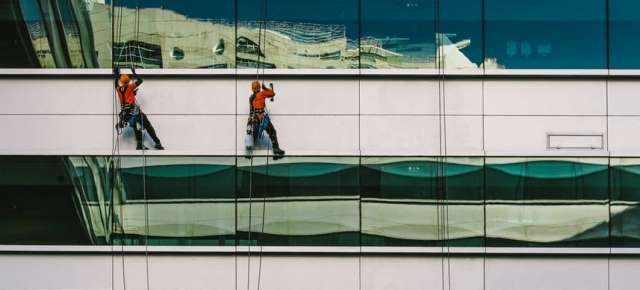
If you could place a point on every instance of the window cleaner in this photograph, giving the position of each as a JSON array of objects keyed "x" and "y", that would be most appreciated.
[
  {"x": 259, "y": 120},
  {"x": 130, "y": 113}
]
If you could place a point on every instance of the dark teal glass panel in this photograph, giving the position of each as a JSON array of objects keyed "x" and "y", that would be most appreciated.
[
  {"x": 547, "y": 202},
  {"x": 461, "y": 27},
  {"x": 55, "y": 34},
  {"x": 298, "y": 201},
  {"x": 398, "y": 34},
  {"x": 405, "y": 202},
  {"x": 38, "y": 203},
  {"x": 546, "y": 34},
  {"x": 624, "y": 24},
  {"x": 182, "y": 178},
  {"x": 625, "y": 201},
  {"x": 182, "y": 200}
]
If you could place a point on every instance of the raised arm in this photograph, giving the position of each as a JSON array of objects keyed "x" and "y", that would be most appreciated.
[
  {"x": 268, "y": 92},
  {"x": 116, "y": 74},
  {"x": 137, "y": 78}
]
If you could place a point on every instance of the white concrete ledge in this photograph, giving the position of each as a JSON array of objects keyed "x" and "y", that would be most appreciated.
[
  {"x": 230, "y": 72},
  {"x": 319, "y": 250}
]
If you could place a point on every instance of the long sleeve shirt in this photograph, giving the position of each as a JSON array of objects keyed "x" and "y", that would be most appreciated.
[{"x": 260, "y": 97}]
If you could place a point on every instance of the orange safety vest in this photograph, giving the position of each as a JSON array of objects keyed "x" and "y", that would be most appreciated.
[{"x": 127, "y": 94}]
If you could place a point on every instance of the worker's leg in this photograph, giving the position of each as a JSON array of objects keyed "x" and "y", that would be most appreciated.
[
  {"x": 274, "y": 139},
  {"x": 149, "y": 128},
  {"x": 137, "y": 130}
]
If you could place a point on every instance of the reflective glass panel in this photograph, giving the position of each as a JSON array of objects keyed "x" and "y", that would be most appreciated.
[
  {"x": 188, "y": 200},
  {"x": 297, "y": 34},
  {"x": 460, "y": 34},
  {"x": 397, "y": 34},
  {"x": 55, "y": 34},
  {"x": 298, "y": 201},
  {"x": 547, "y": 202},
  {"x": 624, "y": 24},
  {"x": 545, "y": 34},
  {"x": 625, "y": 201},
  {"x": 403, "y": 201},
  {"x": 130, "y": 202},
  {"x": 39, "y": 206},
  {"x": 174, "y": 34}
]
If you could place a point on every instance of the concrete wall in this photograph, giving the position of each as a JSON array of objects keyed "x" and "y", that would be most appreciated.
[
  {"x": 190, "y": 271},
  {"x": 397, "y": 115}
]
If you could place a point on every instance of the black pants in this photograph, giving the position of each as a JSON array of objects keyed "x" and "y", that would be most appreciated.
[
  {"x": 143, "y": 123},
  {"x": 271, "y": 131}
]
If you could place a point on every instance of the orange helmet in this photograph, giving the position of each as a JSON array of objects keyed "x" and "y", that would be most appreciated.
[
  {"x": 124, "y": 78},
  {"x": 255, "y": 86}
]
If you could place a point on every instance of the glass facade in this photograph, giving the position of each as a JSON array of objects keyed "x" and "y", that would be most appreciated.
[
  {"x": 286, "y": 34},
  {"x": 320, "y": 201},
  {"x": 546, "y": 34},
  {"x": 624, "y": 22}
]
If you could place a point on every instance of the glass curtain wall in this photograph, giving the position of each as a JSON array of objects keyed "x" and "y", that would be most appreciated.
[
  {"x": 293, "y": 34},
  {"x": 546, "y": 34},
  {"x": 624, "y": 24},
  {"x": 625, "y": 198},
  {"x": 286, "y": 34},
  {"x": 319, "y": 201},
  {"x": 547, "y": 202}
]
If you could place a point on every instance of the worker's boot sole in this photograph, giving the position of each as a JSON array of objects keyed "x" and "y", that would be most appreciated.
[{"x": 278, "y": 154}]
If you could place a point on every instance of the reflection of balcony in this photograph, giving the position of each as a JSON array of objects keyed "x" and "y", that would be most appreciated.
[{"x": 137, "y": 54}]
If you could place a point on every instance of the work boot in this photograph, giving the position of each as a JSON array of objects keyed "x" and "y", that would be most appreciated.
[
  {"x": 141, "y": 147},
  {"x": 158, "y": 146},
  {"x": 277, "y": 153}
]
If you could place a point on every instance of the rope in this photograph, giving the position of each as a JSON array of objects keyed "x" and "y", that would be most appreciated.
[
  {"x": 443, "y": 207},
  {"x": 115, "y": 162},
  {"x": 249, "y": 234},
  {"x": 261, "y": 40},
  {"x": 138, "y": 34}
]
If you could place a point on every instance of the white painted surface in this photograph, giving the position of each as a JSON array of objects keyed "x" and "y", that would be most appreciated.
[
  {"x": 315, "y": 272},
  {"x": 527, "y": 135},
  {"x": 305, "y": 97},
  {"x": 400, "y": 135},
  {"x": 624, "y": 97},
  {"x": 464, "y": 135},
  {"x": 463, "y": 97},
  {"x": 309, "y": 135},
  {"x": 545, "y": 97},
  {"x": 195, "y": 115},
  {"x": 187, "y": 96},
  {"x": 624, "y": 135},
  {"x": 534, "y": 273},
  {"x": 403, "y": 97},
  {"x": 55, "y": 134},
  {"x": 186, "y": 135},
  {"x": 56, "y": 96}
]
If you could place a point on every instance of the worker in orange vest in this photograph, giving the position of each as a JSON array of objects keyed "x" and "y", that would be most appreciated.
[
  {"x": 130, "y": 113},
  {"x": 258, "y": 119}
]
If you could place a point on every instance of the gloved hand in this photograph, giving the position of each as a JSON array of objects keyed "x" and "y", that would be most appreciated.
[
  {"x": 116, "y": 71},
  {"x": 133, "y": 70},
  {"x": 271, "y": 86}
]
